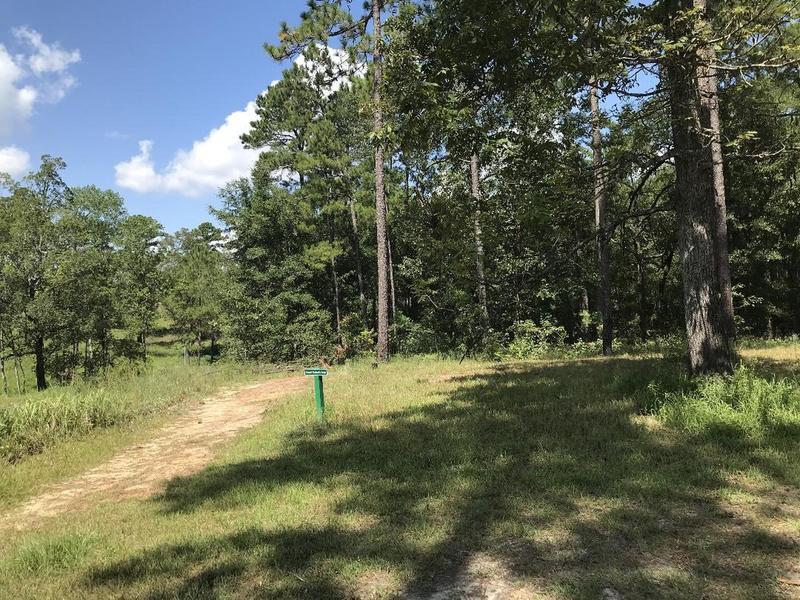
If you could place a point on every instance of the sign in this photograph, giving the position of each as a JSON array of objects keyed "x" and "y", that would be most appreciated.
[
  {"x": 319, "y": 392},
  {"x": 315, "y": 372}
]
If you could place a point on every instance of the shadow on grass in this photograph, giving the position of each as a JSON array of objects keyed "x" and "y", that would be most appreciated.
[{"x": 546, "y": 469}]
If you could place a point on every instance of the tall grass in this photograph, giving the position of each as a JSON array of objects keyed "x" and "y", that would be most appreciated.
[
  {"x": 747, "y": 405},
  {"x": 33, "y": 422}
]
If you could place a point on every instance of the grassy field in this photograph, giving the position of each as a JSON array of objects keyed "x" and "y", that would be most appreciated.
[
  {"x": 81, "y": 424},
  {"x": 548, "y": 479}
]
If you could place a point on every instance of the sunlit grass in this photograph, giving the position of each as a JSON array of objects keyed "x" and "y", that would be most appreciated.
[{"x": 547, "y": 477}]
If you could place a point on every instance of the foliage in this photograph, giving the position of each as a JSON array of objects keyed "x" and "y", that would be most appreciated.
[{"x": 747, "y": 404}]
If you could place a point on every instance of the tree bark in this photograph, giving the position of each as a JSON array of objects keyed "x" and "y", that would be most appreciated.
[
  {"x": 480, "y": 272},
  {"x": 600, "y": 222},
  {"x": 708, "y": 85},
  {"x": 362, "y": 297},
  {"x": 382, "y": 349},
  {"x": 391, "y": 264},
  {"x": 38, "y": 349},
  {"x": 583, "y": 310},
  {"x": 3, "y": 364},
  {"x": 336, "y": 302},
  {"x": 709, "y": 339},
  {"x": 644, "y": 302}
]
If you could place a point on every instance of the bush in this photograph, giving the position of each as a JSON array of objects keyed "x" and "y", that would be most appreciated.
[
  {"x": 746, "y": 403},
  {"x": 411, "y": 337},
  {"x": 532, "y": 340}
]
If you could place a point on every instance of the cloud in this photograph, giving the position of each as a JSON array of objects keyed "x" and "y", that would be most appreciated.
[
  {"x": 14, "y": 161},
  {"x": 46, "y": 58},
  {"x": 16, "y": 100},
  {"x": 117, "y": 135},
  {"x": 206, "y": 167},
  {"x": 39, "y": 73},
  {"x": 220, "y": 157}
]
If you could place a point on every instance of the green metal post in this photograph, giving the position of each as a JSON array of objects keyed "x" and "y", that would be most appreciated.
[{"x": 319, "y": 397}]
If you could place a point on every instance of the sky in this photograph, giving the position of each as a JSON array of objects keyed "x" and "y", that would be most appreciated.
[{"x": 147, "y": 98}]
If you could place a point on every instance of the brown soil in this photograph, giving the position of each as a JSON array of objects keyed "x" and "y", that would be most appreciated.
[{"x": 180, "y": 448}]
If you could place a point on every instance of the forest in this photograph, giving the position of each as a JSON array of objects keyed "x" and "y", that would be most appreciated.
[
  {"x": 543, "y": 254},
  {"x": 453, "y": 177}
]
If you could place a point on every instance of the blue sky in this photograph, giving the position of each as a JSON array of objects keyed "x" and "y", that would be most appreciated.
[{"x": 90, "y": 80}]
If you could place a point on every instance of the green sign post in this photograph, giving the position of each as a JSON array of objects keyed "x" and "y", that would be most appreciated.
[{"x": 319, "y": 392}]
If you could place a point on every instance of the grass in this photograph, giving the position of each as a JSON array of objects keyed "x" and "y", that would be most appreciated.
[
  {"x": 85, "y": 423},
  {"x": 548, "y": 479}
]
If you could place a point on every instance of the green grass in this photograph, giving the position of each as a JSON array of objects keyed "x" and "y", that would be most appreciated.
[
  {"x": 550, "y": 476},
  {"x": 82, "y": 424}
]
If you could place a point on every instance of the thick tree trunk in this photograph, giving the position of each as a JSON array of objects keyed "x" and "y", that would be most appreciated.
[
  {"x": 480, "y": 272},
  {"x": 708, "y": 86},
  {"x": 380, "y": 198},
  {"x": 362, "y": 297},
  {"x": 38, "y": 349},
  {"x": 710, "y": 342},
  {"x": 601, "y": 228}
]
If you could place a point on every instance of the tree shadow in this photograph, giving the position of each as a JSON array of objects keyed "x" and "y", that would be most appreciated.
[{"x": 544, "y": 470}]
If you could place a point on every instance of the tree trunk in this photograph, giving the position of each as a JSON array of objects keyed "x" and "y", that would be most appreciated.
[
  {"x": 380, "y": 199},
  {"x": 336, "y": 302},
  {"x": 583, "y": 311},
  {"x": 20, "y": 388},
  {"x": 710, "y": 342},
  {"x": 38, "y": 349},
  {"x": 644, "y": 302},
  {"x": 3, "y": 364},
  {"x": 362, "y": 297},
  {"x": 708, "y": 85},
  {"x": 601, "y": 228},
  {"x": 391, "y": 265},
  {"x": 480, "y": 273}
]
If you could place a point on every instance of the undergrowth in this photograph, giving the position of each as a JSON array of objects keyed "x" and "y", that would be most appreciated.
[
  {"x": 747, "y": 405},
  {"x": 39, "y": 420}
]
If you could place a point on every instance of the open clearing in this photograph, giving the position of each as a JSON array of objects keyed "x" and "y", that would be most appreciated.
[
  {"x": 179, "y": 449},
  {"x": 433, "y": 479}
]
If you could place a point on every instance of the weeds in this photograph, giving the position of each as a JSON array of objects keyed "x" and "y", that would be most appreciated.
[
  {"x": 747, "y": 403},
  {"x": 32, "y": 423}
]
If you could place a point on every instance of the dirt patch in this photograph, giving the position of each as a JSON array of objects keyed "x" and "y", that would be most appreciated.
[
  {"x": 482, "y": 577},
  {"x": 181, "y": 448}
]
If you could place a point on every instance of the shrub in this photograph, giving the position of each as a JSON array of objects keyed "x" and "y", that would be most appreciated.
[
  {"x": 746, "y": 403},
  {"x": 532, "y": 340}
]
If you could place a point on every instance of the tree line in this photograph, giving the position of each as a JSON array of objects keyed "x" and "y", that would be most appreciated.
[
  {"x": 81, "y": 281},
  {"x": 601, "y": 169},
  {"x": 456, "y": 176}
]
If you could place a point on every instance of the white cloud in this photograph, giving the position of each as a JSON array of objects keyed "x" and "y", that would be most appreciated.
[
  {"x": 219, "y": 157},
  {"x": 40, "y": 73},
  {"x": 207, "y": 166},
  {"x": 16, "y": 100},
  {"x": 14, "y": 161},
  {"x": 46, "y": 58},
  {"x": 117, "y": 135}
]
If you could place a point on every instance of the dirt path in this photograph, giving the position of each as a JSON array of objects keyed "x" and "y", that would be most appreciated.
[{"x": 181, "y": 448}]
